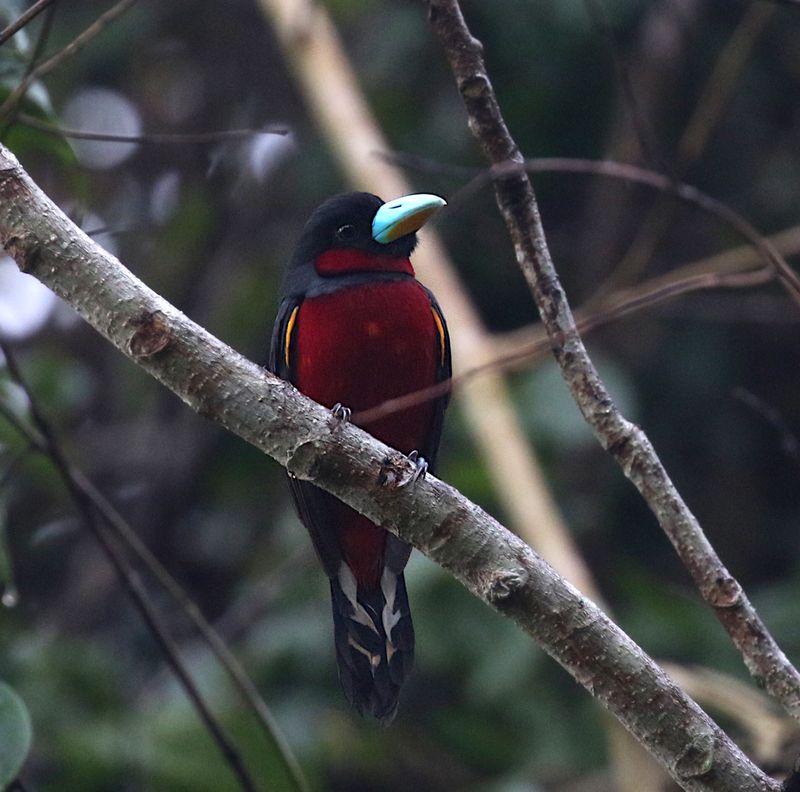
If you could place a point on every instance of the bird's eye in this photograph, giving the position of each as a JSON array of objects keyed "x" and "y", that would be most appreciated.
[{"x": 346, "y": 233}]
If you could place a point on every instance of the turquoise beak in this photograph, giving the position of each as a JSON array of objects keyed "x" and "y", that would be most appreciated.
[{"x": 403, "y": 216}]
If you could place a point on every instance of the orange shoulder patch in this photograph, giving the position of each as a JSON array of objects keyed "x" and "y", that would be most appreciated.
[
  {"x": 288, "y": 338},
  {"x": 442, "y": 336}
]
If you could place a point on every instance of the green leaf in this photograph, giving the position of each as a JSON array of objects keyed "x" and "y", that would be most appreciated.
[{"x": 16, "y": 734}]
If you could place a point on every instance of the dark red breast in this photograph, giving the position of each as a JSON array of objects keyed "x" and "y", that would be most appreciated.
[{"x": 361, "y": 346}]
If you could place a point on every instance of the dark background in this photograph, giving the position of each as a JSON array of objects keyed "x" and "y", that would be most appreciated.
[{"x": 713, "y": 378}]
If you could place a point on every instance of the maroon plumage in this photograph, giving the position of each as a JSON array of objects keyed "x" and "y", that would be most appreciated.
[{"x": 356, "y": 328}]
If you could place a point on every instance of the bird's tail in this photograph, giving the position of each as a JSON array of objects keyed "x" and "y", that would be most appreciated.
[{"x": 374, "y": 641}]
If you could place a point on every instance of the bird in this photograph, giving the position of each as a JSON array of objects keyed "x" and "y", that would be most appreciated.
[{"x": 355, "y": 328}]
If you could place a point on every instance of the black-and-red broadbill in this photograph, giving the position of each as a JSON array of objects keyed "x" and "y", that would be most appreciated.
[{"x": 354, "y": 329}]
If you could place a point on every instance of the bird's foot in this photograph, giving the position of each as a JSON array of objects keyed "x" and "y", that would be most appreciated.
[
  {"x": 420, "y": 465},
  {"x": 339, "y": 415},
  {"x": 394, "y": 473}
]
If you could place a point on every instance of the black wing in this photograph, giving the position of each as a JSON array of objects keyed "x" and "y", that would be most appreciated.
[
  {"x": 280, "y": 348},
  {"x": 314, "y": 506},
  {"x": 397, "y": 551},
  {"x": 444, "y": 372}
]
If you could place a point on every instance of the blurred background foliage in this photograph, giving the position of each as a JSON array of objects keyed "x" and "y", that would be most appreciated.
[{"x": 713, "y": 378}]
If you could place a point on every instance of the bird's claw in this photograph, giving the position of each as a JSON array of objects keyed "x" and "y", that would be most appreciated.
[
  {"x": 420, "y": 465},
  {"x": 339, "y": 415},
  {"x": 394, "y": 474}
]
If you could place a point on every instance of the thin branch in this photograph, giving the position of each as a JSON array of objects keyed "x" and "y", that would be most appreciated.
[
  {"x": 491, "y": 562},
  {"x": 789, "y": 442},
  {"x": 227, "y": 659},
  {"x": 44, "y": 36},
  {"x": 631, "y": 173},
  {"x": 36, "y": 53},
  {"x": 625, "y": 441},
  {"x": 641, "y": 123},
  {"x": 536, "y": 345},
  {"x": 176, "y": 138},
  {"x": 714, "y": 97},
  {"x": 75, "y": 479},
  {"x": 75, "y": 46},
  {"x": 23, "y": 20},
  {"x": 46, "y": 439},
  {"x": 738, "y": 260},
  {"x": 686, "y": 192}
]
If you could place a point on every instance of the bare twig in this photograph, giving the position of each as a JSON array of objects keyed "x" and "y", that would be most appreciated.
[
  {"x": 23, "y": 20},
  {"x": 641, "y": 124},
  {"x": 156, "y": 138},
  {"x": 718, "y": 88},
  {"x": 708, "y": 109},
  {"x": 227, "y": 659},
  {"x": 45, "y": 438},
  {"x": 74, "y": 479},
  {"x": 536, "y": 345},
  {"x": 631, "y": 173},
  {"x": 685, "y": 192},
  {"x": 36, "y": 52},
  {"x": 75, "y": 46},
  {"x": 625, "y": 441},
  {"x": 707, "y": 273},
  {"x": 789, "y": 443},
  {"x": 492, "y": 563}
]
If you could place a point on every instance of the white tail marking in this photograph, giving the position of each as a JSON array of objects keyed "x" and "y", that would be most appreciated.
[
  {"x": 347, "y": 581},
  {"x": 389, "y": 617}
]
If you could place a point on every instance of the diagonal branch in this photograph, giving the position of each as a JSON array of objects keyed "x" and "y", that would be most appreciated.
[
  {"x": 490, "y": 561},
  {"x": 523, "y": 347},
  {"x": 115, "y": 524},
  {"x": 75, "y": 46},
  {"x": 634, "y": 174},
  {"x": 23, "y": 20},
  {"x": 155, "y": 138},
  {"x": 44, "y": 439},
  {"x": 625, "y": 441},
  {"x": 685, "y": 192}
]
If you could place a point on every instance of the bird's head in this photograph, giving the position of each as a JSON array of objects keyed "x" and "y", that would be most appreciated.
[{"x": 358, "y": 232}]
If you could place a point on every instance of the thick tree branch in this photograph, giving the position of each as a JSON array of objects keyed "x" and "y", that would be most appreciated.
[
  {"x": 625, "y": 441},
  {"x": 491, "y": 562}
]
